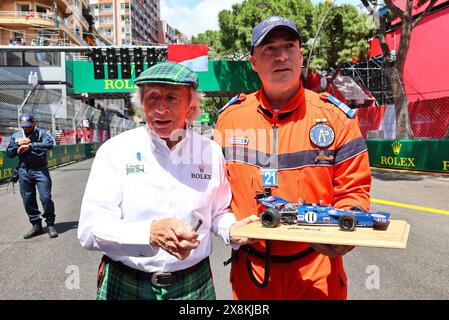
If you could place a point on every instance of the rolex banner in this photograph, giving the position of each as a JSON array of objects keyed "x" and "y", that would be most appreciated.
[{"x": 426, "y": 155}]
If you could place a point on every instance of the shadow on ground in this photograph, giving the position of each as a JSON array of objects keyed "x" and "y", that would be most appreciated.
[
  {"x": 403, "y": 175},
  {"x": 396, "y": 175},
  {"x": 62, "y": 227}
]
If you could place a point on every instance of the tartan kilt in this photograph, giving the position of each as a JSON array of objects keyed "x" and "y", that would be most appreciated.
[{"x": 116, "y": 283}]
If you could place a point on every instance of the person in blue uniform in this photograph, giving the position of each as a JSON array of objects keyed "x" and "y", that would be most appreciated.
[{"x": 31, "y": 144}]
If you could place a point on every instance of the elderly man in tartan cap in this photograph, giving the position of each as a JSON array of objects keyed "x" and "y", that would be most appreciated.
[{"x": 154, "y": 194}]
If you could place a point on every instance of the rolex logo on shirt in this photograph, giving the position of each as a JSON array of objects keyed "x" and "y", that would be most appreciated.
[{"x": 201, "y": 175}]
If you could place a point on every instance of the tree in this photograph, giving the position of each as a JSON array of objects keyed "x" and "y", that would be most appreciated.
[
  {"x": 394, "y": 61},
  {"x": 343, "y": 35},
  {"x": 237, "y": 23},
  {"x": 211, "y": 106},
  {"x": 213, "y": 40},
  {"x": 344, "y": 30}
]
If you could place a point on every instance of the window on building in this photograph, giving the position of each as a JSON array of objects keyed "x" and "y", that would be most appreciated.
[
  {"x": 11, "y": 59},
  {"x": 23, "y": 7},
  {"x": 77, "y": 4},
  {"x": 77, "y": 31},
  {"x": 43, "y": 9},
  {"x": 107, "y": 20},
  {"x": 42, "y": 59},
  {"x": 17, "y": 38},
  {"x": 17, "y": 35},
  {"x": 43, "y": 37}
]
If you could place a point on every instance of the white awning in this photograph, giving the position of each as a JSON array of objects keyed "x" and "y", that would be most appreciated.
[{"x": 354, "y": 94}]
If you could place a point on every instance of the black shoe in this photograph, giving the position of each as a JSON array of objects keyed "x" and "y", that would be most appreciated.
[
  {"x": 52, "y": 233},
  {"x": 35, "y": 231}
]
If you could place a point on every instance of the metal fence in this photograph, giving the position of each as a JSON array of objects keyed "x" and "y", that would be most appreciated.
[
  {"x": 420, "y": 118},
  {"x": 66, "y": 118}
]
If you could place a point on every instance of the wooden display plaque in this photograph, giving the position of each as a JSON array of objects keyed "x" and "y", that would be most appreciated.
[{"x": 395, "y": 237}]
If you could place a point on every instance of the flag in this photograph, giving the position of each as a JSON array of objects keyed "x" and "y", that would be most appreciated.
[{"x": 193, "y": 56}]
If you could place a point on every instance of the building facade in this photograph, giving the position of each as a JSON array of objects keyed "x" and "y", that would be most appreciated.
[
  {"x": 45, "y": 22},
  {"x": 127, "y": 22},
  {"x": 170, "y": 35}
]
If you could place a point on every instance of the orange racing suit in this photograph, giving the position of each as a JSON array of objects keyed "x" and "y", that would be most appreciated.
[{"x": 253, "y": 137}]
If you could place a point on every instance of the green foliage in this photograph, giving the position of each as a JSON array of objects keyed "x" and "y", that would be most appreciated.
[
  {"x": 236, "y": 24},
  {"x": 213, "y": 40},
  {"x": 343, "y": 34},
  {"x": 209, "y": 106}
]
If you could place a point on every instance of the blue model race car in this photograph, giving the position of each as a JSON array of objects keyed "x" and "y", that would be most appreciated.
[{"x": 281, "y": 211}]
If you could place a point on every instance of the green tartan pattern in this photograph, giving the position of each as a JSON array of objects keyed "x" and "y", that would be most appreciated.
[
  {"x": 119, "y": 284},
  {"x": 168, "y": 73}
]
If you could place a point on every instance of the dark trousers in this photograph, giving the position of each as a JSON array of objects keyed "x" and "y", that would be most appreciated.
[{"x": 28, "y": 181}]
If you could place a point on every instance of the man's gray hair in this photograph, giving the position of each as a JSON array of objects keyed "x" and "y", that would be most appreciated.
[{"x": 195, "y": 101}]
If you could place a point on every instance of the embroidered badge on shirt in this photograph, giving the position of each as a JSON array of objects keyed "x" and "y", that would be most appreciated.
[
  {"x": 322, "y": 157},
  {"x": 238, "y": 140},
  {"x": 134, "y": 168},
  {"x": 322, "y": 135}
]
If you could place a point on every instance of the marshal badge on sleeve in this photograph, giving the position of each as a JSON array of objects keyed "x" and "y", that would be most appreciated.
[{"x": 322, "y": 135}]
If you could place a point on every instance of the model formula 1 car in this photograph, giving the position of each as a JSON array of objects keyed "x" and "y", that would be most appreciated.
[{"x": 281, "y": 211}]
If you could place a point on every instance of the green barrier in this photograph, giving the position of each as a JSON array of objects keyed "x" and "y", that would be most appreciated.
[
  {"x": 421, "y": 155},
  {"x": 7, "y": 165},
  {"x": 60, "y": 154},
  {"x": 424, "y": 155}
]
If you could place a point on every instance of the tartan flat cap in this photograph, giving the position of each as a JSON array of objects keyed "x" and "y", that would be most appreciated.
[{"x": 168, "y": 73}]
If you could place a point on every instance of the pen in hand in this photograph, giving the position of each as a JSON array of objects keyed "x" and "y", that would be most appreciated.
[{"x": 198, "y": 225}]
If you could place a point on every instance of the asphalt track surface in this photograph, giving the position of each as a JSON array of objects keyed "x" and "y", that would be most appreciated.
[{"x": 60, "y": 269}]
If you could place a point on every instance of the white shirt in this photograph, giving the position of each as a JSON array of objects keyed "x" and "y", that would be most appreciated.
[{"x": 135, "y": 179}]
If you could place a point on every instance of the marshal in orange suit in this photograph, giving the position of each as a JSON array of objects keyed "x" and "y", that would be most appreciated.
[{"x": 299, "y": 145}]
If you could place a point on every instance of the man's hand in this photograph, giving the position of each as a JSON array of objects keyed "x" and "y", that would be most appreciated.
[
  {"x": 242, "y": 240},
  {"x": 331, "y": 250},
  {"x": 23, "y": 148},
  {"x": 173, "y": 236},
  {"x": 23, "y": 141}
]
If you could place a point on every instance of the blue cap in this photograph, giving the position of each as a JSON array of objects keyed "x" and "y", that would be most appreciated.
[
  {"x": 262, "y": 29},
  {"x": 26, "y": 120}
]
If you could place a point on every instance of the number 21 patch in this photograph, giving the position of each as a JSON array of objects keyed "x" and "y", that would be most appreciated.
[{"x": 269, "y": 177}]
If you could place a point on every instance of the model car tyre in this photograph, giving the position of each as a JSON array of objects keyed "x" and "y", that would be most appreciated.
[
  {"x": 357, "y": 208},
  {"x": 270, "y": 218},
  {"x": 347, "y": 222}
]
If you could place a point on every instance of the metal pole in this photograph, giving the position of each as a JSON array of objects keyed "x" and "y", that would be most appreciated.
[
  {"x": 271, "y": 7},
  {"x": 19, "y": 110},
  {"x": 266, "y": 4},
  {"x": 130, "y": 22},
  {"x": 316, "y": 36},
  {"x": 74, "y": 124}
]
